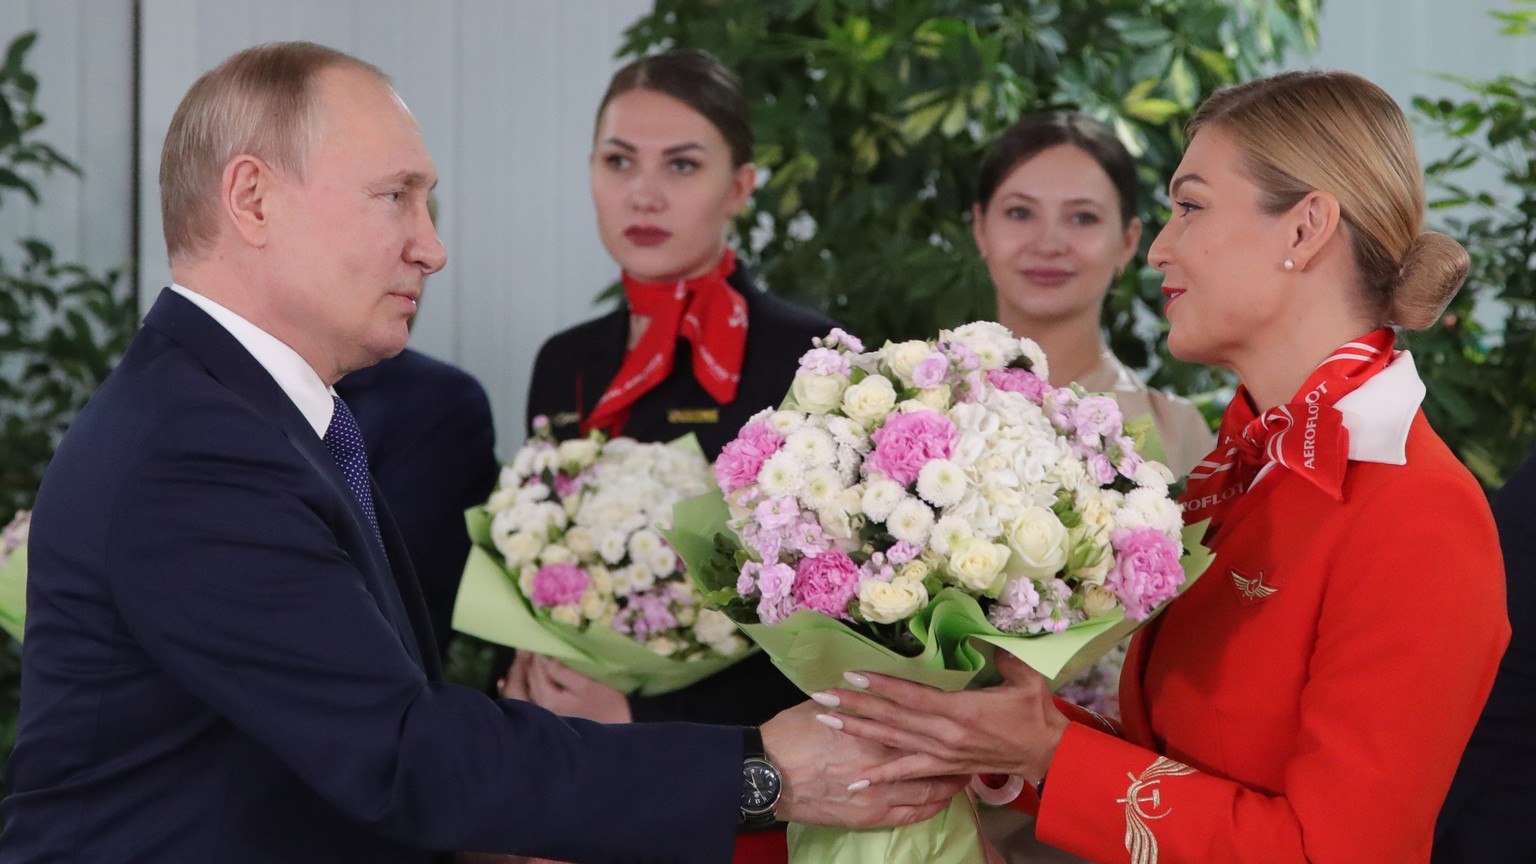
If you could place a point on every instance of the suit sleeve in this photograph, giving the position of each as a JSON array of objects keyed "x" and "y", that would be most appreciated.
[
  {"x": 1409, "y": 634},
  {"x": 228, "y": 573}
]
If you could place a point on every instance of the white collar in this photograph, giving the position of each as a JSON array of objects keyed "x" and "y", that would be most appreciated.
[
  {"x": 295, "y": 376},
  {"x": 1379, "y": 413}
]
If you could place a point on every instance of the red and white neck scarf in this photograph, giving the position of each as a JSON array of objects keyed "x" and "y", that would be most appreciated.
[
  {"x": 706, "y": 311},
  {"x": 1306, "y": 435}
]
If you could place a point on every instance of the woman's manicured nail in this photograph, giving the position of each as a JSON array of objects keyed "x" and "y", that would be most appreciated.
[
  {"x": 829, "y": 700},
  {"x": 858, "y": 785},
  {"x": 856, "y": 680},
  {"x": 829, "y": 720}
]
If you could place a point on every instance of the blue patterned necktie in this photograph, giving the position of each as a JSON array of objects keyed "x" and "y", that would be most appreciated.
[{"x": 345, "y": 441}]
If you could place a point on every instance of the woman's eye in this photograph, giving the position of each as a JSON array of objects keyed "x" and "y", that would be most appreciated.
[
  {"x": 1086, "y": 219},
  {"x": 1017, "y": 213},
  {"x": 616, "y": 160},
  {"x": 1186, "y": 207},
  {"x": 685, "y": 166}
]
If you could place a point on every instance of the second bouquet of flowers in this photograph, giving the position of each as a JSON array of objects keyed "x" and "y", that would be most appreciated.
[
  {"x": 911, "y": 510},
  {"x": 568, "y": 561}
]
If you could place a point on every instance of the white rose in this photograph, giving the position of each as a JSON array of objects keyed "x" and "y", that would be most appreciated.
[
  {"x": 836, "y": 522},
  {"x": 519, "y": 547},
  {"x": 870, "y": 399},
  {"x": 662, "y": 646},
  {"x": 938, "y": 398},
  {"x": 730, "y": 646},
  {"x": 889, "y": 602},
  {"x": 917, "y": 570},
  {"x": 978, "y": 565},
  {"x": 579, "y": 452},
  {"x": 941, "y": 483},
  {"x": 881, "y": 495},
  {"x": 902, "y": 358},
  {"x": 713, "y": 626},
  {"x": 818, "y": 394},
  {"x": 1040, "y": 540},
  {"x": 911, "y": 521},
  {"x": 568, "y": 615},
  {"x": 1099, "y": 601}
]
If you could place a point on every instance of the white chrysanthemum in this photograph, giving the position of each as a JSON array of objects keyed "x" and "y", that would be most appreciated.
[
  {"x": 889, "y": 602},
  {"x": 847, "y": 433},
  {"x": 881, "y": 495},
  {"x": 949, "y": 533},
  {"x": 817, "y": 394},
  {"x": 501, "y": 499},
  {"x": 567, "y": 615},
  {"x": 1153, "y": 475},
  {"x": 781, "y": 475},
  {"x": 941, "y": 483},
  {"x": 595, "y": 606},
  {"x": 869, "y": 400},
  {"x": 662, "y": 563},
  {"x": 600, "y": 578},
  {"x": 663, "y": 646},
  {"x": 554, "y": 553},
  {"x": 994, "y": 344},
  {"x": 1040, "y": 541},
  {"x": 1149, "y": 508},
  {"x": 821, "y": 489},
  {"x": 911, "y": 520},
  {"x": 786, "y": 423},
  {"x": 811, "y": 446},
  {"x": 902, "y": 358},
  {"x": 1036, "y": 357},
  {"x": 612, "y": 546},
  {"x": 643, "y": 544}
]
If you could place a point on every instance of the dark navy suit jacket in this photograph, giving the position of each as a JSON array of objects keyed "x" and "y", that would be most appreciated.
[
  {"x": 431, "y": 446},
  {"x": 221, "y": 665},
  {"x": 1489, "y": 815}
]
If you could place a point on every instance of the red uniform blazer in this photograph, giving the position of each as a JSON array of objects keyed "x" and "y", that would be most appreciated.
[{"x": 1309, "y": 697}]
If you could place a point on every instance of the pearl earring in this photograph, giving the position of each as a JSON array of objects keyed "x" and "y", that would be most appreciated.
[{"x": 1289, "y": 265}]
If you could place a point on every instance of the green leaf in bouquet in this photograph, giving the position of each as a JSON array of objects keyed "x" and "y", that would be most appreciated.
[
  {"x": 13, "y": 593},
  {"x": 700, "y": 537}
]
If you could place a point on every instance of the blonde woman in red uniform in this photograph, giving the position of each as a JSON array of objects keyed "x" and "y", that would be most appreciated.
[{"x": 1309, "y": 697}]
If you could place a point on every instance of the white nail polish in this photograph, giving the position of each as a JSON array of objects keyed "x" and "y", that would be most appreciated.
[
  {"x": 829, "y": 720},
  {"x": 828, "y": 700},
  {"x": 858, "y": 785},
  {"x": 856, "y": 680}
]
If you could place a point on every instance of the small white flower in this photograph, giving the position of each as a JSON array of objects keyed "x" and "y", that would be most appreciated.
[
  {"x": 994, "y": 344},
  {"x": 911, "y": 520},
  {"x": 941, "y": 483},
  {"x": 612, "y": 546},
  {"x": 567, "y": 615},
  {"x": 949, "y": 533},
  {"x": 781, "y": 475},
  {"x": 881, "y": 495},
  {"x": 813, "y": 447},
  {"x": 1149, "y": 508},
  {"x": 786, "y": 423},
  {"x": 939, "y": 398},
  {"x": 713, "y": 626},
  {"x": 1153, "y": 475},
  {"x": 822, "y": 488},
  {"x": 1098, "y": 601},
  {"x": 577, "y": 452},
  {"x": 978, "y": 565},
  {"x": 1036, "y": 357},
  {"x": 662, "y": 646},
  {"x": 519, "y": 547}
]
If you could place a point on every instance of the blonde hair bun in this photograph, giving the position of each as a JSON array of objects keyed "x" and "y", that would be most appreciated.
[{"x": 1431, "y": 274}]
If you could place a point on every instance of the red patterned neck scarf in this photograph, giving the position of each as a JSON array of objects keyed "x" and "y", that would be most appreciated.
[
  {"x": 706, "y": 311},
  {"x": 1306, "y": 435}
]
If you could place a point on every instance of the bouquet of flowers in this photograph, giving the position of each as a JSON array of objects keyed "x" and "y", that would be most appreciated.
[
  {"x": 911, "y": 510},
  {"x": 13, "y": 574},
  {"x": 568, "y": 561}
]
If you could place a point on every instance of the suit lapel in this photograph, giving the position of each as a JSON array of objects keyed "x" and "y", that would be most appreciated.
[{"x": 234, "y": 367}]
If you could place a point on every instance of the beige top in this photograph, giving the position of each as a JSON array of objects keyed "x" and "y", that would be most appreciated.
[{"x": 1186, "y": 437}]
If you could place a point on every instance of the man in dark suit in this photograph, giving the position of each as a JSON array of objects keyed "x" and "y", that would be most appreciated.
[
  {"x": 432, "y": 448},
  {"x": 1489, "y": 815},
  {"x": 227, "y": 656}
]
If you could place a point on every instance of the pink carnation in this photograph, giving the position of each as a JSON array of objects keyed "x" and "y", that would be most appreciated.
[
  {"x": 1146, "y": 572},
  {"x": 558, "y": 585},
  {"x": 741, "y": 460},
  {"x": 827, "y": 583},
  {"x": 1022, "y": 381},
  {"x": 907, "y": 442}
]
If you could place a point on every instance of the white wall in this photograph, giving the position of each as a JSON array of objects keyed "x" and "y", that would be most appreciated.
[{"x": 505, "y": 91}]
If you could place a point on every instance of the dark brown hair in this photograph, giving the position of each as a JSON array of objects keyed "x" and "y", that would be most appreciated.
[
  {"x": 1035, "y": 133},
  {"x": 700, "y": 81}
]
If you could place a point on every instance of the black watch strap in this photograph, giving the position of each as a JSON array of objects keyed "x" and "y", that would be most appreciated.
[{"x": 755, "y": 767}]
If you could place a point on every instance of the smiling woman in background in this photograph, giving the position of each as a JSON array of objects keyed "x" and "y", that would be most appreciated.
[{"x": 697, "y": 346}]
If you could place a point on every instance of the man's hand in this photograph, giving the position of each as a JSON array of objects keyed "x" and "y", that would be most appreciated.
[{"x": 819, "y": 764}]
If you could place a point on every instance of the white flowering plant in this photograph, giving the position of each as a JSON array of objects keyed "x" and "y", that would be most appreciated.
[
  {"x": 13, "y": 574},
  {"x": 569, "y": 561},
  {"x": 913, "y": 509}
]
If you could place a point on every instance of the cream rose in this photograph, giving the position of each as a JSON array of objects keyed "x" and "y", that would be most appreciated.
[
  {"x": 1040, "y": 540},
  {"x": 902, "y": 358},
  {"x": 818, "y": 394},
  {"x": 870, "y": 399},
  {"x": 889, "y": 602},
  {"x": 578, "y": 451},
  {"x": 978, "y": 565}
]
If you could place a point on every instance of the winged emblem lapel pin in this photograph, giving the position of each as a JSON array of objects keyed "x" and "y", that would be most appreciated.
[{"x": 1253, "y": 589}]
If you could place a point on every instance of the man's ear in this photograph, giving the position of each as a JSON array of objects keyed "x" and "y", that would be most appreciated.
[
  {"x": 244, "y": 196},
  {"x": 1312, "y": 223}
]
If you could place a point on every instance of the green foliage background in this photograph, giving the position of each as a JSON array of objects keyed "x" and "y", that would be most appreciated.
[{"x": 872, "y": 117}]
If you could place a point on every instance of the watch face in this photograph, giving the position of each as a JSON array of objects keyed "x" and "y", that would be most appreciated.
[{"x": 760, "y": 786}]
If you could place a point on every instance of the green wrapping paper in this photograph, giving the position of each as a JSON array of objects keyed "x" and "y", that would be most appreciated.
[
  {"x": 13, "y": 593},
  {"x": 490, "y": 607},
  {"x": 958, "y": 647}
]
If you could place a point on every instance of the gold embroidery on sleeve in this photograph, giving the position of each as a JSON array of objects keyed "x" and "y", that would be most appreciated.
[{"x": 1143, "y": 802}]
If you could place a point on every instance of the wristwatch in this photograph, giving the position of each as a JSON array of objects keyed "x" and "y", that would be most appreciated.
[{"x": 760, "y": 784}]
